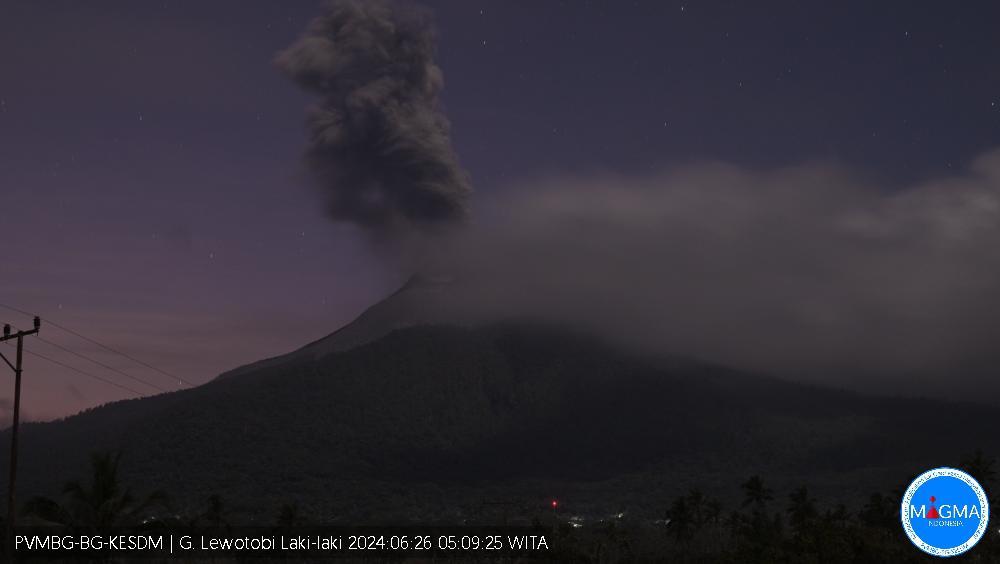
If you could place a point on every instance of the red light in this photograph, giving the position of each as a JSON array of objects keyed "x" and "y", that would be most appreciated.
[{"x": 555, "y": 504}]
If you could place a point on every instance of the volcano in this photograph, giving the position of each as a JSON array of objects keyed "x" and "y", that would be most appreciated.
[
  {"x": 417, "y": 411},
  {"x": 422, "y": 300}
]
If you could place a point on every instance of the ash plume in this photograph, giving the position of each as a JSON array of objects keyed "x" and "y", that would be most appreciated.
[{"x": 379, "y": 144}]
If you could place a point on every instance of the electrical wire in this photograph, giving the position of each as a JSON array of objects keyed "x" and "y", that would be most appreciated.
[
  {"x": 49, "y": 321},
  {"x": 84, "y": 372},
  {"x": 99, "y": 363}
]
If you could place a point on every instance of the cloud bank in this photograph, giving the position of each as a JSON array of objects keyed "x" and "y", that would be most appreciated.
[{"x": 806, "y": 271}]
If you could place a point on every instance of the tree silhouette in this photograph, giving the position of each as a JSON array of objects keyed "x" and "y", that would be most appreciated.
[
  {"x": 802, "y": 511},
  {"x": 879, "y": 512},
  {"x": 838, "y": 516},
  {"x": 688, "y": 515},
  {"x": 215, "y": 512},
  {"x": 980, "y": 467},
  {"x": 104, "y": 502},
  {"x": 755, "y": 493},
  {"x": 680, "y": 524}
]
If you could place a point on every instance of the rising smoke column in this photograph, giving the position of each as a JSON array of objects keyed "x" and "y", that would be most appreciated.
[{"x": 379, "y": 143}]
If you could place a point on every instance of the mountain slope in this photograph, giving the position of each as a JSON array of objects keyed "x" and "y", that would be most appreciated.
[
  {"x": 423, "y": 300},
  {"x": 431, "y": 420}
]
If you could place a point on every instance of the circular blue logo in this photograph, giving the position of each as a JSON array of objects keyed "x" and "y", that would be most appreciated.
[{"x": 945, "y": 512}]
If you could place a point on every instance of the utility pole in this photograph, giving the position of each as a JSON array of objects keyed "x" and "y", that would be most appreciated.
[{"x": 20, "y": 335}]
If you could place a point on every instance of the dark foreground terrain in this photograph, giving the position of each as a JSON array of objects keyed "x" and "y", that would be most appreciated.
[
  {"x": 456, "y": 425},
  {"x": 650, "y": 459}
]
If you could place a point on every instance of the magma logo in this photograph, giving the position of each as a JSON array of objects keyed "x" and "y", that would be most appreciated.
[{"x": 945, "y": 512}]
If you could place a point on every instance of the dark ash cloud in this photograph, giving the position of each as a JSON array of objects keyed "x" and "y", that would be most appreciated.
[{"x": 379, "y": 144}]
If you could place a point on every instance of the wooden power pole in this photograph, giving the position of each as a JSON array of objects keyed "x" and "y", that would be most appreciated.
[{"x": 16, "y": 367}]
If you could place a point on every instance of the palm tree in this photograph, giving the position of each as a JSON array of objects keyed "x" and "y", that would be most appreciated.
[
  {"x": 802, "y": 511},
  {"x": 980, "y": 467},
  {"x": 696, "y": 503},
  {"x": 680, "y": 523},
  {"x": 713, "y": 511},
  {"x": 880, "y": 512},
  {"x": 838, "y": 516},
  {"x": 756, "y": 493},
  {"x": 215, "y": 512},
  {"x": 105, "y": 502}
]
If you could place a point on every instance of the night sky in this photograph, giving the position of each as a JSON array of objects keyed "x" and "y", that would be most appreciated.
[{"x": 154, "y": 196}]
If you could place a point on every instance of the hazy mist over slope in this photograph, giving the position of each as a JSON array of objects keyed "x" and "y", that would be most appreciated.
[{"x": 812, "y": 272}]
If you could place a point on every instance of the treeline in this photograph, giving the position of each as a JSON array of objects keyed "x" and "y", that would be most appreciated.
[
  {"x": 766, "y": 529},
  {"x": 693, "y": 527}
]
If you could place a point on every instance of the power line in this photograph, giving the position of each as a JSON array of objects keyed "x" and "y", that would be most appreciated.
[
  {"x": 118, "y": 352},
  {"x": 102, "y": 345},
  {"x": 18, "y": 371},
  {"x": 85, "y": 373},
  {"x": 99, "y": 363},
  {"x": 16, "y": 424}
]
